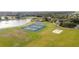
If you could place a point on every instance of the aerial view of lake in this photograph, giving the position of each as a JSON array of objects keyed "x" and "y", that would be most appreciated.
[{"x": 13, "y": 23}]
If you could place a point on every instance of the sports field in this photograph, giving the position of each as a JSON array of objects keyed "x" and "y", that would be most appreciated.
[{"x": 17, "y": 36}]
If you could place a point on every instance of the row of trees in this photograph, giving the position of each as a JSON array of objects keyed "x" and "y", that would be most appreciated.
[{"x": 69, "y": 20}]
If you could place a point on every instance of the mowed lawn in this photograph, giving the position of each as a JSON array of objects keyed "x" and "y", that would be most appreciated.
[{"x": 43, "y": 38}]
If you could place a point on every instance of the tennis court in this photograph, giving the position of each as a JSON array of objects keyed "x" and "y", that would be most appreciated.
[{"x": 35, "y": 27}]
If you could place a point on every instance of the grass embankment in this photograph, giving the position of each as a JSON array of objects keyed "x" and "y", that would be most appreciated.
[{"x": 19, "y": 37}]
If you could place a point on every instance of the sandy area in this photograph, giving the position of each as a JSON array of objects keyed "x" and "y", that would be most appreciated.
[{"x": 57, "y": 31}]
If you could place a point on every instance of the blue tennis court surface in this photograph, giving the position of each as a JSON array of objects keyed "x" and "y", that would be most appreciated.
[{"x": 35, "y": 27}]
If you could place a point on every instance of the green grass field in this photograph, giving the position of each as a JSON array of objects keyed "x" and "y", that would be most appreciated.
[{"x": 13, "y": 37}]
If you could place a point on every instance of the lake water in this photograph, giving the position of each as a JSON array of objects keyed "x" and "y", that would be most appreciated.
[{"x": 13, "y": 23}]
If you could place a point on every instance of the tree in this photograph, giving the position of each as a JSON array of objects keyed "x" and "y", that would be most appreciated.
[{"x": 69, "y": 24}]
